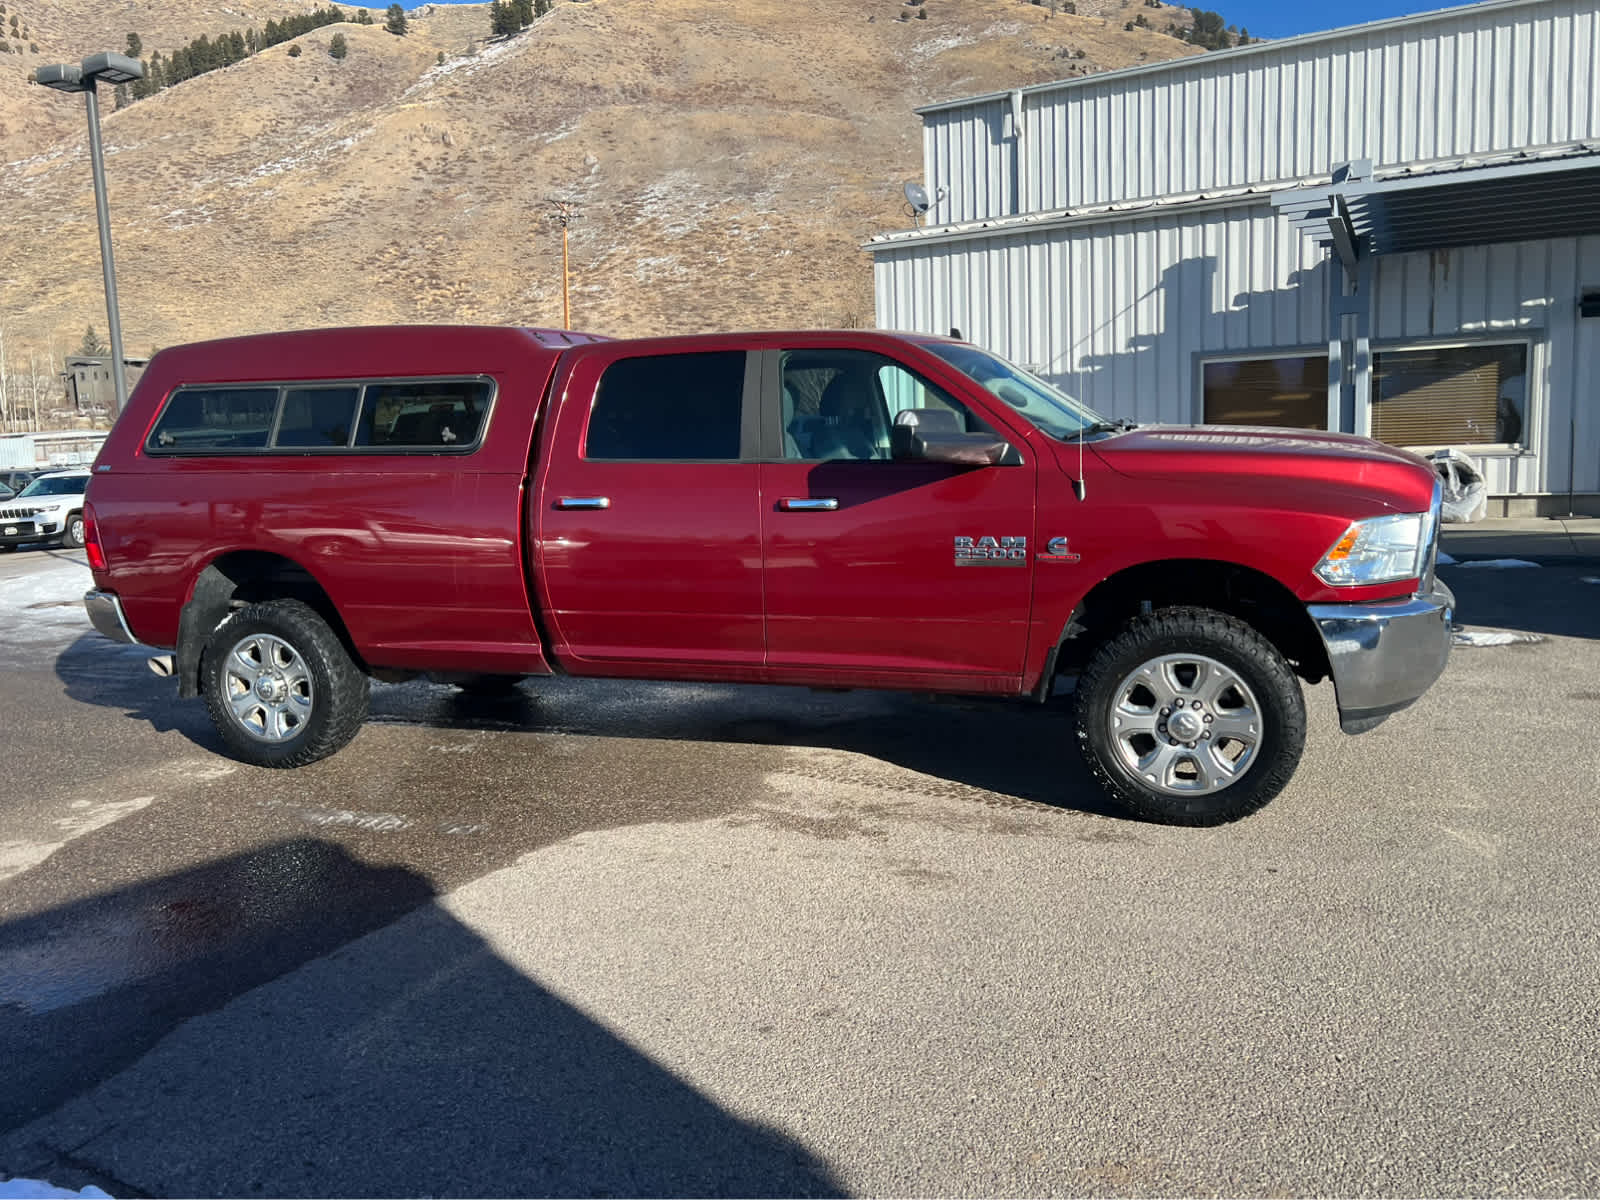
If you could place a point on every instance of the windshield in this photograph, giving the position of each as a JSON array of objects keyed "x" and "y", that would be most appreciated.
[
  {"x": 61, "y": 485},
  {"x": 1052, "y": 410}
]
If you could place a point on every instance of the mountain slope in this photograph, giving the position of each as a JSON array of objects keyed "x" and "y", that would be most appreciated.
[{"x": 728, "y": 158}]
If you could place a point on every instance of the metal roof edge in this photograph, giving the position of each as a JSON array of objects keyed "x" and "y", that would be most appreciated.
[
  {"x": 1095, "y": 215},
  {"x": 1175, "y": 64}
]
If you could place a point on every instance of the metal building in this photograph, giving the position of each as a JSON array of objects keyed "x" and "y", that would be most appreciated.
[{"x": 1391, "y": 229}]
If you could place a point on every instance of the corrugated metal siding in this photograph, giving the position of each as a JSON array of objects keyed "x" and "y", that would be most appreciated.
[
  {"x": 17, "y": 452},
  {"x": 1121, "y": 313},
  {"x": 1117, "y": 313},
  {"x": 1520, "y": 291},
  {"x": 971, "y": 154},
  {"x": 1467, "y": 83}
]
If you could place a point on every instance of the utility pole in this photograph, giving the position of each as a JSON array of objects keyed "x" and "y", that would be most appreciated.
[{"x": 565, "y": 216}]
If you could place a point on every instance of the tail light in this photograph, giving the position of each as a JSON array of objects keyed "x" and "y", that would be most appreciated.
[{"x": 91, "y": 540}]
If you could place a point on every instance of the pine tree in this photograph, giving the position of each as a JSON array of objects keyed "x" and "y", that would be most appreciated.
[
  {"x": 91, "y": 343},
  {"x": 524, "y": 9},
  {"x": 135, "y": 46},
  {"x": 337, "y": 47},
  {"x": 294, "y": 50},
  {"x": 396, "y": 22}
]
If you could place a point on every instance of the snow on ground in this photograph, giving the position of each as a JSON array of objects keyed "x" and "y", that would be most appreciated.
[
  {"x": 37, "y": 1189},
  {"x": 1497, "y": 563},
  {"x": 1493, "y": 637},
  {"x": 45, "y": 607}
]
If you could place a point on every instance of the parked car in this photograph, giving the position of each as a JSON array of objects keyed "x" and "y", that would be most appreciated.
[
  {"x": 49, "y": 509},
  {"x": 16, "y": 480},
  {"x": 290, "y": 514}
]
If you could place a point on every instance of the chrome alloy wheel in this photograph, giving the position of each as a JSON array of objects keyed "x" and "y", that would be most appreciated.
[
  {"x": 268, "y": 688},
  {"x": 1186, "y": 724}
]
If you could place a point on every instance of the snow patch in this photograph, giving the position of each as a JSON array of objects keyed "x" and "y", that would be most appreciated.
[
  {"x": 45, "y": 608},
  {"x": 38, "y": 1189},
  {"x": 1493, "y": 637},
  {"x": 1497, "y": 564},
  {"x": 85, "y": 817}
]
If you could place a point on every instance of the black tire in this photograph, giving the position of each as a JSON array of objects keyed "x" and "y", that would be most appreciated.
[
  {"x": 1186, "y": 783},
  {"x": 289, "y": 644},
  {"x": 72, "y": 531}
]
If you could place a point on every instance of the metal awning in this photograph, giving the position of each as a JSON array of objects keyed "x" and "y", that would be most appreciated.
[{"x": 1549, "y": 192}]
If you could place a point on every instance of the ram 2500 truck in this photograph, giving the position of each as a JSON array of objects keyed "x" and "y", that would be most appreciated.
[{"x": 290, "y": 514}]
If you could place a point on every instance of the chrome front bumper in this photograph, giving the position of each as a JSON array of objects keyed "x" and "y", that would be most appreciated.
[
  {"x": 105, "y": 614},
  {"x": 1383, "y": 656}
]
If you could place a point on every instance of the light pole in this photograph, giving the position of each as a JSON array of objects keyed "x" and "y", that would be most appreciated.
[{"x": 82, "y": 77}]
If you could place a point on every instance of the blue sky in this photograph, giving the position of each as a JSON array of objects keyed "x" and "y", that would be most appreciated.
[{"x": 1275, "y": 19}]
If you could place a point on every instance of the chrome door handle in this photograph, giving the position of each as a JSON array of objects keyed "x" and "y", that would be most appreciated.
[
  {"x": 800, "y": 504},
  {"x": 584, "y": 502}
]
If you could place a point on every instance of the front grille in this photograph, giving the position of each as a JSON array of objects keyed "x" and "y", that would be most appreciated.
[{"x": 18, "y": 514}]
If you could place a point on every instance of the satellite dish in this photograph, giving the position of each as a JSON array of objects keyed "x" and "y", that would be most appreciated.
[{"x": 916, "y": 197}]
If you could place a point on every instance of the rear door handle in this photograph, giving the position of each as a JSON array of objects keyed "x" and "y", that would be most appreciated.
[
  {"x": 584, "y": 502},
  {"x": 802, "y": 504}
]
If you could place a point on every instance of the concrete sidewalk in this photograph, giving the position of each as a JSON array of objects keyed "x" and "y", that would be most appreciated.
[{"x": 1546, "y": 539}]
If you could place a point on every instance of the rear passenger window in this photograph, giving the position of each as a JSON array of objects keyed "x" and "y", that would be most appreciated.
[
  {"x": 446, "y": 414},
  {"x": 317, "y": 417},
  {"x": 215, "y": 419},
  {"x": 669, "y": 407}
]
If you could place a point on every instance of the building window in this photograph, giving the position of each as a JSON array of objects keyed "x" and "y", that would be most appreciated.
[
  {"x": 1290, "y": 392},
  {"x": 1451, "y": 395}
]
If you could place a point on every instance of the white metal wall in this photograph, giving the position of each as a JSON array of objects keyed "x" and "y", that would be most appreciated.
[
  {"x": 1514, "y": 291},
  {"x": 1121, "y": 313},
  {"x": 1114, "y": 312},
  {"x": 1469, "y": 81}
]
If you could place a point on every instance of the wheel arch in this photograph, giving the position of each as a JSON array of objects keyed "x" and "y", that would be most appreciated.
[
  {"x": 236, "y": 578},
  {"x": 1240, "y": 591}
]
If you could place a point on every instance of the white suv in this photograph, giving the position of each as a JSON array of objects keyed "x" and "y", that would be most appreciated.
[{"x": 50, "y": 509}]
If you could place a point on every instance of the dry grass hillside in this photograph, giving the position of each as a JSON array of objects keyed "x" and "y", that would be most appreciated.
[{"x": 728, "y": 157}]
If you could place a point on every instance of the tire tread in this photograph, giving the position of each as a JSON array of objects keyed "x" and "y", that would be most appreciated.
[{"x": 1170, "y": 630}]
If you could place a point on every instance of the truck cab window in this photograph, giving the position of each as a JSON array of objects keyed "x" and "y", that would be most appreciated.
[
  {"x": 841, "y": 404},
  {"x": 669, "y": 408}
]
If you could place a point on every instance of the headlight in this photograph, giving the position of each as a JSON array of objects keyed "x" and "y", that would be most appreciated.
[{"x": 1377, "y": 550}]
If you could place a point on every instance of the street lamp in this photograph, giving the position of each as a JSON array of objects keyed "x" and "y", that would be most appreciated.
[{"x": 82, "y": 77}]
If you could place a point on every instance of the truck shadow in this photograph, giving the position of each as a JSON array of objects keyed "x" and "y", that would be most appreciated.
[
  {"x": 1011, "y": 749},
  {"x": 356, "y": 1040}
]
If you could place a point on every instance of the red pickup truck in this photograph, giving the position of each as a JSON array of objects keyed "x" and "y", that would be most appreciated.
[{"x": 289, "y": 514}]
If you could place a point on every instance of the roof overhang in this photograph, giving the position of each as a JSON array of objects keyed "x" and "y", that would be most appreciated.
[{"x": 1549, "y": 192}]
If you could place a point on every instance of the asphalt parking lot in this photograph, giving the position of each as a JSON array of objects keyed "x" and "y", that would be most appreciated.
[{"x": 656, "y": 940}]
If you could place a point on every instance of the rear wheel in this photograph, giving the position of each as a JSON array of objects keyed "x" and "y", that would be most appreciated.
[
  {"x": 280, "y": 686},
  {"x": 1190, "y": 717}
]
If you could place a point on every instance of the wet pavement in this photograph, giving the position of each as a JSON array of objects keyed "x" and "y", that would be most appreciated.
[{"x": 669, "y": 939}]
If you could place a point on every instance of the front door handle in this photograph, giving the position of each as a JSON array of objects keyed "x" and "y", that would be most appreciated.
[
  {"x": 584, "y": 502},
  {"x": 801, "y": 504}
]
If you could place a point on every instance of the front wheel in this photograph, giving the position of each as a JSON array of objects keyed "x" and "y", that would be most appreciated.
[
  {"x": 72, "y": 534},
  {"x": 280, "y": 686},
  {"x": 1190, "y": 717}
]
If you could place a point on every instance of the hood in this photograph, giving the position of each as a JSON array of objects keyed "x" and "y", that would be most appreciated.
[{"x": 1341, "y": 461}]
